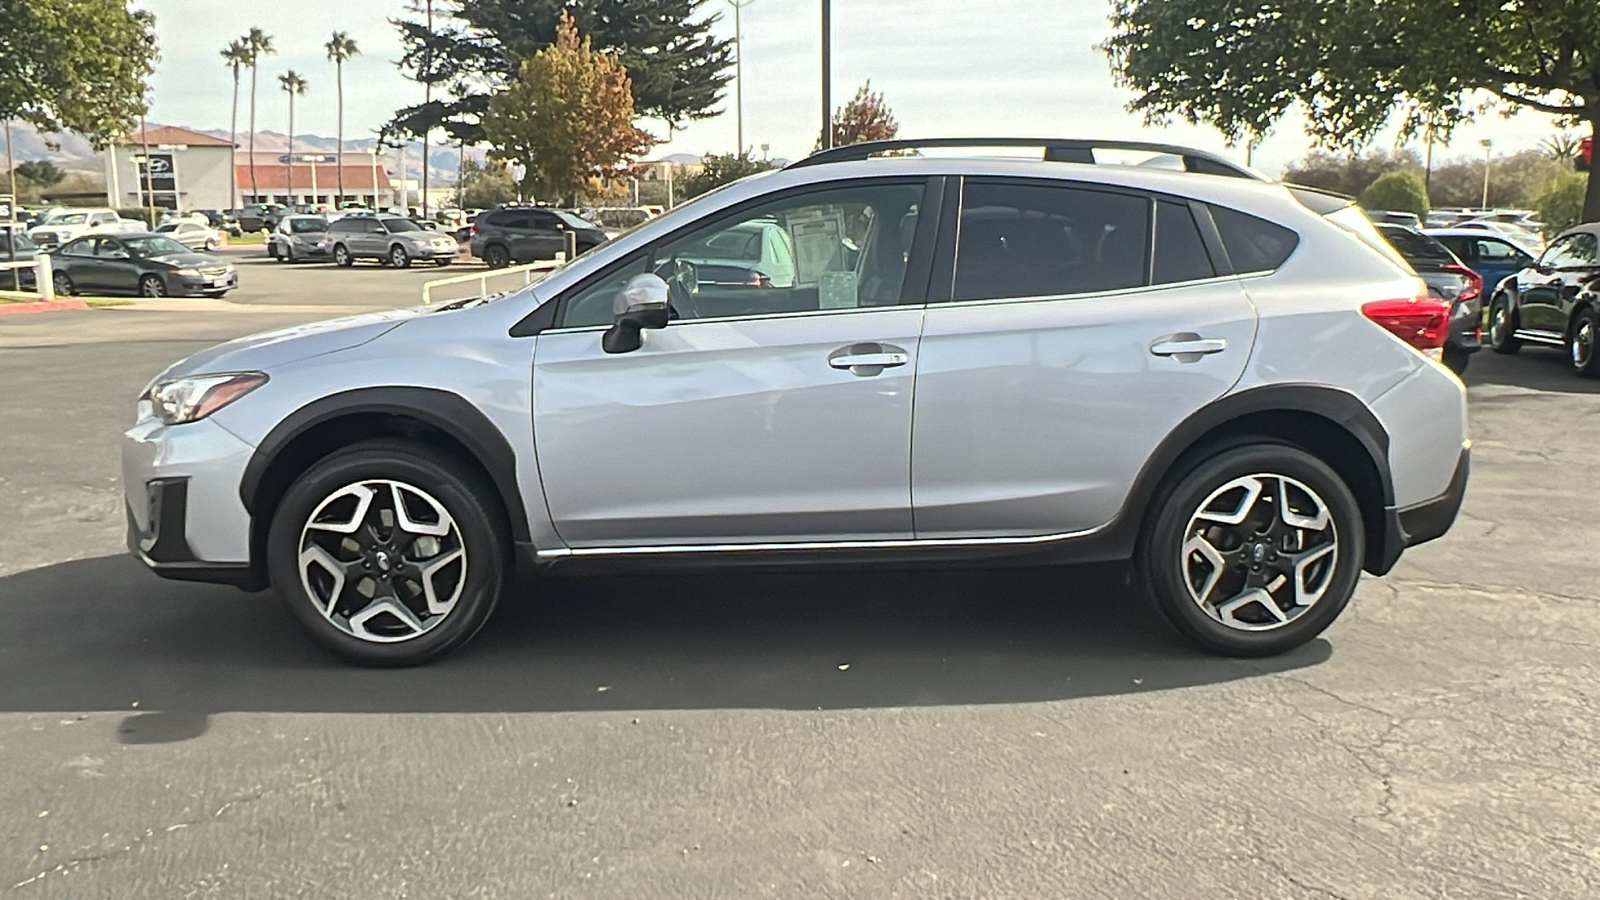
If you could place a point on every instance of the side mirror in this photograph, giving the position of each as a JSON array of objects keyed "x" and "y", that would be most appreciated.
[{"x": 641, "y": 304}]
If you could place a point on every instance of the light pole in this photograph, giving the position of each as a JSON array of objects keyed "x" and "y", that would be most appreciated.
[
  {"x": 1487, "y": 146},
  {"x": 738, "y": 69},
  {"x": 827, "y": 75}
]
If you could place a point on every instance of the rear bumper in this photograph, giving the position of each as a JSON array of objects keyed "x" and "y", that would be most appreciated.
[
  {"x": 1421, "y": 522},
  {"x": 1466, "y": 326}
]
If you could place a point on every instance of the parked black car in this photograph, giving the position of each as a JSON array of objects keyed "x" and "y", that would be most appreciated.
[
  {"x": 14, "y": 245},
  {"x": 1555, "y": 302},
  {"x": 151, "y": 265},
  {"x": 523, "y": 234},
  {"x": 256, "y": 216},
  {"x": 1449, "y": 280}
]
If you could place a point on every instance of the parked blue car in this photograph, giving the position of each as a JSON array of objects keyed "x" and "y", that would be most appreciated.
[{"x": 1492, "y": 256}]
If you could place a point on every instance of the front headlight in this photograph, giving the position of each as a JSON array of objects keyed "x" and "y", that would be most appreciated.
[
  {"x": 191, "y": 399},
  {"x": 186, "y": 273}
]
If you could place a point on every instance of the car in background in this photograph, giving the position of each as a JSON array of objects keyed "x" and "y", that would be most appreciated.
[
  {"x": 1585, "y": 160},
  {"x": 150, "y": 265},
  {"x": 259, "y": 216},
  {"x": 758, "y": 254},
  {"x": 1448, "y": 279},
  {"x": 391, "y": 240},
  {"x": 1493, "y": 256},
  {"x": 1509, "y": 230},
  {"x": 15, "y": 247},
  {"x": 523, "y": 234},
  {"x": 1394, "y": 217},
  {"x": 1555, "y": 302},
  {"x": 68, "y": 224},
  {"x": 191, "y": 234},
  {"x": 299, "y": 238}
]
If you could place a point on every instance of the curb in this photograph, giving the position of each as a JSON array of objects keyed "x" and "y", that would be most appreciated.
[{"x": 40, "y": 306}]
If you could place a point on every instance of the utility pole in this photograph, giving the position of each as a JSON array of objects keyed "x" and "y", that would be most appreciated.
[
  {"x": 11, "y": 167},
  {"x": 149, "y": 175},
  {"x": 1427, "y": 166},
  {"x": 738, "y": 69},
  {"x": 427, "y": 97},
  {"x": 827, "y": 75}
]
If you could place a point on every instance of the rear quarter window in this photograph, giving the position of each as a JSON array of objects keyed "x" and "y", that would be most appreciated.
[{"x": 1253, "y": 243}]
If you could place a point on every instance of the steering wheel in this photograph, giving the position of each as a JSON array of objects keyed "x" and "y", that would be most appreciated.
[{"x": 683, "y": 283}]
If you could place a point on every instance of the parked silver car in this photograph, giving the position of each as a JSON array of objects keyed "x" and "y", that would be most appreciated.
[
  {"x": 298, "y": 237},
  {"x": 391, "y": 240},
  {"x": 1231, "y": 382}
]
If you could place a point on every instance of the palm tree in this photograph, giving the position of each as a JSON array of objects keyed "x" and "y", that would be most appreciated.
[
  {"x": 293, "y": 85},
  {"x": 259, "y": 44},
  {"x": 341, "y": 48},
  {"x": 235, "y": 56}
]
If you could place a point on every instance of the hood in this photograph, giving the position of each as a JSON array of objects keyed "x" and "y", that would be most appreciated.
[{"x": 263, "y": 352}]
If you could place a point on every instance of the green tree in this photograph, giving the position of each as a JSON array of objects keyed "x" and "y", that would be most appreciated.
[
  {"x": 258, "y": 44},
  {"x": 1560, "y": 204},
  {"x": 865, "y": 118},
  {"x": 677, "y": 66},
  {"x": 75, "y": 65},
  {"x": 235, "y": 56},
  {"x": 1348, "y": 173},
  {"x": 1399, "y": 190},
  {"x": 1240, "y": 65},
  {"x": 41, "y": 172},
  {"x": 485, "y": 185},
  {"x": 341, "y": 49},
  {"x": 294, "y": 86},
  {"x": 568, "y": 120},
  {"x": 718, "y": 170}
]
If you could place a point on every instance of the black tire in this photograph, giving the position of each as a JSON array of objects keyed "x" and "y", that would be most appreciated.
[
  {"x": 480, "y": 531},
  {"x": 399, "y": 258},
  {"x": 1456, "y": 359},
  {"x": 62, "y": 282},
  {"x": 496, "y": 256},
  {"x": 441, "y": 263},
  {"x": 1503, "y": 324},
  {"x": 342, "y": 257},
  {"x": 1582, "y": 340},
  {"x": 1167, "y": 570},
  {"x": 272, "y": 249},
  {"x": 152, "y": 286}
]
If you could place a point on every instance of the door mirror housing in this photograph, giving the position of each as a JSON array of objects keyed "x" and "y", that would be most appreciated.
[{"x": 642, "y": 303}]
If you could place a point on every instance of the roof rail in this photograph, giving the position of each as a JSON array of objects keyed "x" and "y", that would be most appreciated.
[{"x": 1074, "y": 150}]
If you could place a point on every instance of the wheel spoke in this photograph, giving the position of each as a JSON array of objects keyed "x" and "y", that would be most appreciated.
[
  {"x": 314, "y": 555},
  {"x": 405, "y": 523},
  {"x": 1252, "y": 488},
  {"x": 1304, "y": 596},
  {"x": 1315, "y": 522},
  {"x": 435, "y": 605},
  {"x": 1211, "y": 555},
  {"x": 363, "y": 495},
  {"x": 379, "y": 606},
  {"x": 1228, "y": 611}
]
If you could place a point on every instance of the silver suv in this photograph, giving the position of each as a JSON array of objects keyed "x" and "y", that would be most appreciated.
[
  {"x": 391, "y": 240},
  {"x": 1231, "y": 382}
]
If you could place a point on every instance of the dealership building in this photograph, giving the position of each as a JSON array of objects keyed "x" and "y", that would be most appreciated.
[{"x": 176, "y": 168}]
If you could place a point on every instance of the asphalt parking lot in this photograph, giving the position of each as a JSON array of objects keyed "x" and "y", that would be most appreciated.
[{"x": 1022, "y": 734}]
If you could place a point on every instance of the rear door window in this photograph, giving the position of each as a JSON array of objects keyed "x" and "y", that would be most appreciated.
[
  {"x": 1253, "y": 243},
  {"x": 1180, "y": 253},
  {"x": 1026, "y": 239}
]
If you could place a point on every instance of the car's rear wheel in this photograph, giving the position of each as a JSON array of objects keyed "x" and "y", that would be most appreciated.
[
  {"x": 342, "y": 257},
  {"x": 443, "y": 261},
  {"x": 1581, "y": 343},
  {"x": 1254, "y": 551},
  {"x": 152, "y": 286},
  {"x": 399, "y": 258},
  {"x": 1503, "y": 326},
  {"x": 1456, "y": 359},
  {"x": 389, "y": 553},
  {"x": 496, "y": 256},
  {"x": 62, "y": 282}
]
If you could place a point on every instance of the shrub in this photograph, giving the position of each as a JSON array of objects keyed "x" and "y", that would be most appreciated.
[
  {"x": 1560, "y": 204},
  {"x": 1398, "y": 190}
]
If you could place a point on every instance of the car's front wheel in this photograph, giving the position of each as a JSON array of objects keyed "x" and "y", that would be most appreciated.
[
  {"x": 399, "y": 258},
  {"x": 496, "y": 256},
  {"x": 1581, "y": 343},
  {"x": 1254, "y": 551},
  {"x": 152, "y": 286},
  {"x": 62, "y": 282},
  {"x": 389, "y": 553},
  {"x": 1503, "y": 326},
  {"x": 342, "y": 257}
]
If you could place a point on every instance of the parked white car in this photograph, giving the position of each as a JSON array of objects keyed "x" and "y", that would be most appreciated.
[
  {"x": 191, "y": 234},
  {"x": 69, "y": 224}
]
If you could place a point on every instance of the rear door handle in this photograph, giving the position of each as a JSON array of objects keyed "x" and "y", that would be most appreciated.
[
  {"x": 868, "y": 358},
  {"x": 1188, "y": 346}
]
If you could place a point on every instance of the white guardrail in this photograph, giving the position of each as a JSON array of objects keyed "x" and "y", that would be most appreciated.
[
  {"x": 526, "y": 274},
  {"x": 43, "y": 278}
]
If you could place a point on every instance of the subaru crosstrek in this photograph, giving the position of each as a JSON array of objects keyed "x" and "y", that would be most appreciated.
[{"x": 1232, "y": 382}]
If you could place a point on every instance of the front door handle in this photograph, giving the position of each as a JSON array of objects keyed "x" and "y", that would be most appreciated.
[
  {"x": 1187, "y": 347},
  {"x": 868, "y": 358}
]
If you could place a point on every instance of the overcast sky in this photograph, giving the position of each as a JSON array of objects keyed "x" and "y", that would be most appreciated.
[{"x": 947, "y": 67}]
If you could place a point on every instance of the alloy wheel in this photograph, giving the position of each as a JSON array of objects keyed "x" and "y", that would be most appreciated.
[
  {"x": 1259, "y": 552},
  {"x": 1499, "y": 321},
  {"x": 63, "y": 284},
  {"x": 1582, "y": 347},
  {"x": 152, "y": 286},
  {"x": 382, "y": 560}
]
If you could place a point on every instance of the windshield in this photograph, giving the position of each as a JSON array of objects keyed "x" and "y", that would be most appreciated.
[
  {"x": 166, "y": 229},
  {"x": 401, "y": 225},
  {"x": 1417, "y": 247},
  {"x": 19, "y": 242},
  {"x": 154, "y": 245},
  {"x": 70, "y": 218},
  {"x": 574, "y": 221},
  {"x": 308, "y": 226}
]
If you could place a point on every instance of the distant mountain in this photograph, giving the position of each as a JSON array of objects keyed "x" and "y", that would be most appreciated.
[{"x": 67, "y": 150}]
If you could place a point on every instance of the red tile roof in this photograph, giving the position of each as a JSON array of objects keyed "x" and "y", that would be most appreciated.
[
  {"x": 171, "y": 134},
  {"x": 275, "y": 177}
]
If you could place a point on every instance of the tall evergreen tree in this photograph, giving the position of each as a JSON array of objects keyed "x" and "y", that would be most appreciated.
[{"x": 677, "y": 66}]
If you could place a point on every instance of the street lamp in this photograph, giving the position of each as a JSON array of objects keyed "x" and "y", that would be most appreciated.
[
  {"x": 1487, "y": 146},
  {"x": 738, "y": 68}
]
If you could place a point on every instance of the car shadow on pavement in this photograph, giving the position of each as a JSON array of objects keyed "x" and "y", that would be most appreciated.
[
  {"x": 103, "y": 634},
  {"x": 1534, "y": 368}
]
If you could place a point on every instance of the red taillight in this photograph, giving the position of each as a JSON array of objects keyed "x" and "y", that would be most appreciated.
[
  {"x": 472, "y": 229},
  {"x": 1424, "y": 323},
  {"x": 1474, "y": 288}
]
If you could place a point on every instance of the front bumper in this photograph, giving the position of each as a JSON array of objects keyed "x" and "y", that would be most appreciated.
[
  {"x": 1466, "y": 326},
  {"x": 181, "y": 497},
  {"x": 184, "y": 285},
  {"x": 429, "y": 251},
  {"x": 1421, "y": 522}
]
